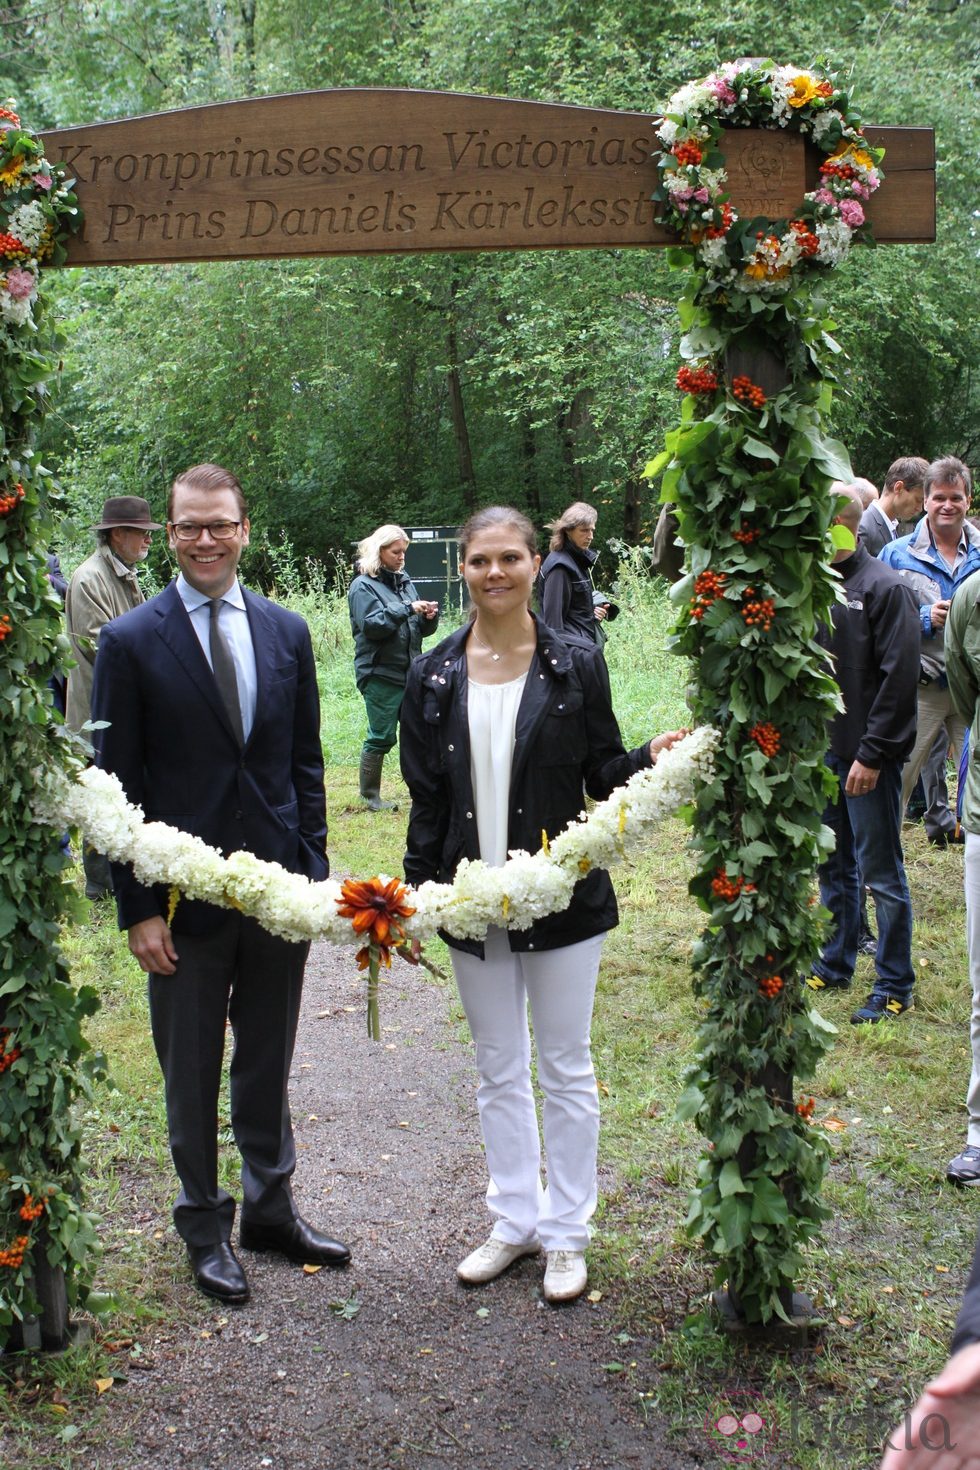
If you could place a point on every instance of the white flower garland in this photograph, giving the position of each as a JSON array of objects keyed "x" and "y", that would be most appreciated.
[{"x": 526, "y": 888}]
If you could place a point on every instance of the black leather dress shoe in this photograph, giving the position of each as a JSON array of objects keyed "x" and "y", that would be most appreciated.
[
  {"x": 218, "y": 1273},
  {"x": 297, "y": 1241}
]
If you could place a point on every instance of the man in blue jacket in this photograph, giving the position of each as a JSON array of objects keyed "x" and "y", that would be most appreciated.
[
  {"x": 210, "y": 695},
  {"x": 942, "y": 551}
]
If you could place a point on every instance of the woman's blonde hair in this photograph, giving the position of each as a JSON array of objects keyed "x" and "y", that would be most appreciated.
[
  {"x": 578, "y": 514},
  {"x": 369, "y": 550}
]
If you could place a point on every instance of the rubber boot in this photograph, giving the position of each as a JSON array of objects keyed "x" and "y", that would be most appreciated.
[{"x": 371, "y": 763}]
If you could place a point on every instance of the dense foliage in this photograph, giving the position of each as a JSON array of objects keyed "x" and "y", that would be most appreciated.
[
  {"x": 45, "y": 1062},
  {"x": 326, "y": 384}
]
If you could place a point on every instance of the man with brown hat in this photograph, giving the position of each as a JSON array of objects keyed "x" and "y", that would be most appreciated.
[{"x": 102, "y": 588}]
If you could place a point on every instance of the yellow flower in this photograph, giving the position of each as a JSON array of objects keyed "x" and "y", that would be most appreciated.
[
  {"x": 803, "y": 89},
  {"x": 758, "y": 270},
  {"x": 10, "y": 173}
]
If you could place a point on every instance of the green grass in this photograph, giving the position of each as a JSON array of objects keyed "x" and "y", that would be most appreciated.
[{"x": 897, "y": 1089}]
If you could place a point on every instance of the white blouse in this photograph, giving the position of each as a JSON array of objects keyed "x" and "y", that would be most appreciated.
[{"x": 492, "y": 710}]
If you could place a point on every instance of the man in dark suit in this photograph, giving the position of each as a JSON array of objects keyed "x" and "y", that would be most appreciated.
[
  {"x": 900, "y": 500},
  {"x": 211, "y": 697}
]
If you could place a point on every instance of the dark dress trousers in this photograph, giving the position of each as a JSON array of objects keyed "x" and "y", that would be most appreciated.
[{"x": 171, "y": 743}]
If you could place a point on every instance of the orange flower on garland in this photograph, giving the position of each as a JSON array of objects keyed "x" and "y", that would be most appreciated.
[
  {"x": 8, "y": 1053},
  {"x": 376, "y": 908}
]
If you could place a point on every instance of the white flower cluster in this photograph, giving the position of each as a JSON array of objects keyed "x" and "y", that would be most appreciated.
[
  {"x": 527, "y": 887},
  {"x": 27, "y": 222}
]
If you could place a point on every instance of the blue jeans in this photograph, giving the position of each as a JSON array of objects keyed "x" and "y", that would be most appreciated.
[{"x": 869, "y": 846}]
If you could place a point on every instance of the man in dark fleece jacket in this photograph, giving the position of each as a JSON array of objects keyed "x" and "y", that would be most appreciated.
[
  {"x": 874, "y": 644},
  {"x": 942, "y": 1432}
]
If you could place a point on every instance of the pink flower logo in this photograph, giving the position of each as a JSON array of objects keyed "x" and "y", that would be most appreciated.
[{"x": 739, "y": 1429}]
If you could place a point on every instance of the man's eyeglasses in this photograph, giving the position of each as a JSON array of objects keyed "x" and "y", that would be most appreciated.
[{"x": 191, "y": 530}]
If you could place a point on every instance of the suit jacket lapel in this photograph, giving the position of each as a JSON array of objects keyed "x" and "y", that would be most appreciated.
[{"x": 265, "y": 645}]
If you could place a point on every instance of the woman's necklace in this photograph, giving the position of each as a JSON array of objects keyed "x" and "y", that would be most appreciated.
[{"x": 494, "y": 656}]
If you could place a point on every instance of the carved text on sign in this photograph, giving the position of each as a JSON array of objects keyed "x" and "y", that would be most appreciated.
[{"x": 370, "y": 170}]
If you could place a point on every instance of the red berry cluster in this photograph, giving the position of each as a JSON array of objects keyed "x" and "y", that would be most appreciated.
[
  {"x": 708, "y": 587},
  {"x": 718, "y": 232},
  {"x": 727, "y": 888},
  {"x": 807, "y": 240},
  {"x": 757, "y": 612},
  {"x": 766, "y": 737},
  {"x": 7, "y": 1055},
  {"x": 696, "y": 380},
  {"x": 746, "y": 534},
  {"x": 13, "y": 248},
  {"x": 688, "y": 152},
  {"x": 10, "y": 116},
  {"x": 13, "y": 1255},
  {"x": 7, "y": 502},
  {"x": 748, "y": 392},
  {"x": 838, "y": 170},
  {"x": 806, "y": 1109},
  {"x": 770, "y": 986},
  {"x": 32, "y": 1209}
]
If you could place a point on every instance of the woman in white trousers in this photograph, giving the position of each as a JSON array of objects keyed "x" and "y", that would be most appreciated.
[{"x": 505, "y": 729}]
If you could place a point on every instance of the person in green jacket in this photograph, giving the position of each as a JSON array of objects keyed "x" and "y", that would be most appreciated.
[{"x": 388, "y": 620}]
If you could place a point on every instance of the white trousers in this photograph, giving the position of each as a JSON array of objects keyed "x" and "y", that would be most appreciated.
[
  {"x": 971, "y": 884},
  {"x": 495, "y": 991}
]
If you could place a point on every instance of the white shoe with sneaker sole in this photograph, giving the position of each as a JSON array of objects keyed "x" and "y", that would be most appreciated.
[
  {"x": 565, "y": 1277},
  {"x": 491, "y": 1258}
]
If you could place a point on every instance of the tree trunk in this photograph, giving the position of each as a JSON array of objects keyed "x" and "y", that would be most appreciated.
[
  {"x": 464, "y": 456},
  {"x": 529, "y": 451}
]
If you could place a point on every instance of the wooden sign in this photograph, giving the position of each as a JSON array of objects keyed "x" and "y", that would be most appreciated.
[{"x": 366, "y": 170}]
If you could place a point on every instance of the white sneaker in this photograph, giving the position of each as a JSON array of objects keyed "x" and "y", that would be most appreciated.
[
  {"x": 493, "y": 1257},
  {"x": 565, "y": 1277}
]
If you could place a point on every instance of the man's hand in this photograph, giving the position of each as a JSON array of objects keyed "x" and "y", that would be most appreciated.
[
  {"x": 152, "y": 944},
  {"x": 942, "y": 1432},
  {"x": 938, "y": 613},
  {"x": 860, "y": 780},
  {"x": 602, "y": 610}
]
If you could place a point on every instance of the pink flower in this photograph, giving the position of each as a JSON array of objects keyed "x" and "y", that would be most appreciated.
[
  {"x": 719, "y": 88},
  {"x": 824, "y": 196},
  {"x": 702, "y": 195},
  {"x": 851, "y": 213},
  {"x": 42, "y": 181},
  {"x": 20, "y": 283}
]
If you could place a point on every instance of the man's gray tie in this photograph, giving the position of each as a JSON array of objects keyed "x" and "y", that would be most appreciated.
[{"x": 224, "y": 671}]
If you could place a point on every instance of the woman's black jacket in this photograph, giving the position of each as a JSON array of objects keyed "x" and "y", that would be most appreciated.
[
  {"x": 567, "y": 743},
  {"x": 567, "y": 604}
]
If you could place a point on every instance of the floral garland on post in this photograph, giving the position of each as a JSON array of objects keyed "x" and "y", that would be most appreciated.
[
  {"x": 45, "y": 1064},
  {"x": 749, "y": 469}
]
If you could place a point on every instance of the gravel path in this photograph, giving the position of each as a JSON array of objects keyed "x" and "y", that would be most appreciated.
[{"x": 391, "y": 1363}]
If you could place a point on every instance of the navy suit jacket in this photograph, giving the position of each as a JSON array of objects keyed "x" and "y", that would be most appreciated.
[{"x": 171, "y": 744}]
